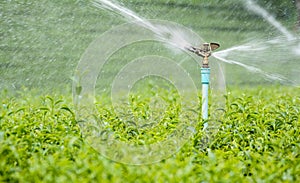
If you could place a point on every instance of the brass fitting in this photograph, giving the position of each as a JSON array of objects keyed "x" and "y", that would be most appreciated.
[{"x": 204, "y": 51}]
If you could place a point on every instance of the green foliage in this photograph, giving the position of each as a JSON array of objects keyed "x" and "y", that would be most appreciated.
[
  {"x": 258, "y": 140},
  {"x": 145, "y": 118},
  {"x": 40, "y": 139}
]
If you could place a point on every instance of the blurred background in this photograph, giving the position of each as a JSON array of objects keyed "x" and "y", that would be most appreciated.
[{"x": 42, "y": 41}]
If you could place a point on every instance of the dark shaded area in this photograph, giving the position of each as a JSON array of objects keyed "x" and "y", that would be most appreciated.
[
  {"x": 282, "y": 9},
  {"x": 298, "y": 11},
  {"x": 7, "y": 65},
  {"x": 231, "y": 29},
  {"x": 236, "y": 9},
  {"x": 187, "y": 5}
]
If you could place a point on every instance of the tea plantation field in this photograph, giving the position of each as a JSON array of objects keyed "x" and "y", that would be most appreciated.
[
  {"x": 258, "y": 141},
  {"x": 41, "y": 43}
]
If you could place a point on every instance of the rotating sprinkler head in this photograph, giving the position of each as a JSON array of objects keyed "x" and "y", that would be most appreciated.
[{"x": 204, "y": 51}]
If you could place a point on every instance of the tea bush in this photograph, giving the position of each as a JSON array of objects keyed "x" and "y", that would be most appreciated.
[{"x": 258, "y": 140}]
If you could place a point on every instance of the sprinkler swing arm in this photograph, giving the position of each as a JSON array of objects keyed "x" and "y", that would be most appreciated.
[{"x": 204, "y": 51}]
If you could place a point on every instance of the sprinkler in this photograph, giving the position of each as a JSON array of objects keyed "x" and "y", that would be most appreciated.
[{"x": 204, "y": 51}]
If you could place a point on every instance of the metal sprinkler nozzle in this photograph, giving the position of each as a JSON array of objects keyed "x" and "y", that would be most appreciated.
[{"x": 204, "y": 51}]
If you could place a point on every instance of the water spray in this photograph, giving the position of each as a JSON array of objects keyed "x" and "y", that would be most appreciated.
[{"x": 204, "y": 51}]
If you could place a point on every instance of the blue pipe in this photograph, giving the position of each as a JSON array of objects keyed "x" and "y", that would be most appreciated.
[{"x": 205, "y": 77}]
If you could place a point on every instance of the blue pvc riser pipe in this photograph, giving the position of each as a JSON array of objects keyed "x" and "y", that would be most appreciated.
[{"x": 205, "y": 77}]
